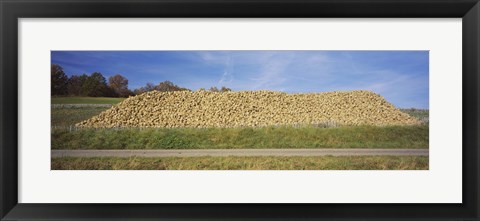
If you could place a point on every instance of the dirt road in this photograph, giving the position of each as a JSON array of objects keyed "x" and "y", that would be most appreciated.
[{"x": 239, "y": 152}]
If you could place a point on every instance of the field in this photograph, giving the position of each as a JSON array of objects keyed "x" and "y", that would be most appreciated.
[
  {"x": 86, "y": 100},
  {"x": 66, "y": 136},
  {"x": 66, "y": 117},
  {"x": 421, "y": 115}
]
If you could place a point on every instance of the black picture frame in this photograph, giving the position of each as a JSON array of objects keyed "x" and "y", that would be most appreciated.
[{"x": 11, "y": 10}]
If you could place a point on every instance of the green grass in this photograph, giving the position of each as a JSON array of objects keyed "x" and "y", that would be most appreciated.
[
  {"x": 86, "y": 100},
  {"x": 244, "y": 163},
  {"x": 238, "y": 138}
]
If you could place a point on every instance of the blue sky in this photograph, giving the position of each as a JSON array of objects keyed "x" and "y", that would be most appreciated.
[{"x": 402, "y": 77}]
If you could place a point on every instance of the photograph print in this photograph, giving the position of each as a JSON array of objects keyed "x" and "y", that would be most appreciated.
[{"x": 240, "y": 110}]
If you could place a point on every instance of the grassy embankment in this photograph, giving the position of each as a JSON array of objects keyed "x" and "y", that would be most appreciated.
[
  {"x": 63, "y": 137},
  {"x": 238, "y": 138}
]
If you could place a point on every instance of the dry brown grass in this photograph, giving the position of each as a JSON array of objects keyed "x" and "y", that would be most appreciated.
[{"x": 245, "y": 163}]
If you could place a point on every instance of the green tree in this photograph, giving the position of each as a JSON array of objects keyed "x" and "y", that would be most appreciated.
[
  {"x": 58, "y": 80},
  {"x": 95, "y": 86},
  {"x": 168, "y": 86},
  {"x": 75, "y": 84},
  {"x": 162, "y": 86}
]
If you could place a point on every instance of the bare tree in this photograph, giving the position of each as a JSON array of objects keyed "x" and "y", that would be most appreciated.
[{"x": 119, "y": 85}]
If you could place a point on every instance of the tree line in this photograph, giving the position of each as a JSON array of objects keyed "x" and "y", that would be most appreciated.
[{"x": 96, "y": 85}]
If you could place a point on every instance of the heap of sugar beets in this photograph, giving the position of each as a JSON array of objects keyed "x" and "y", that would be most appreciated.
[{"x": 249, "y": 109}]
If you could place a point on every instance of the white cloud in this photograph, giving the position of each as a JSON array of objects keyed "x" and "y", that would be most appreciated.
[
  {"x": 272, "y": 72},
  {"x": 227, "y": 76}
]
